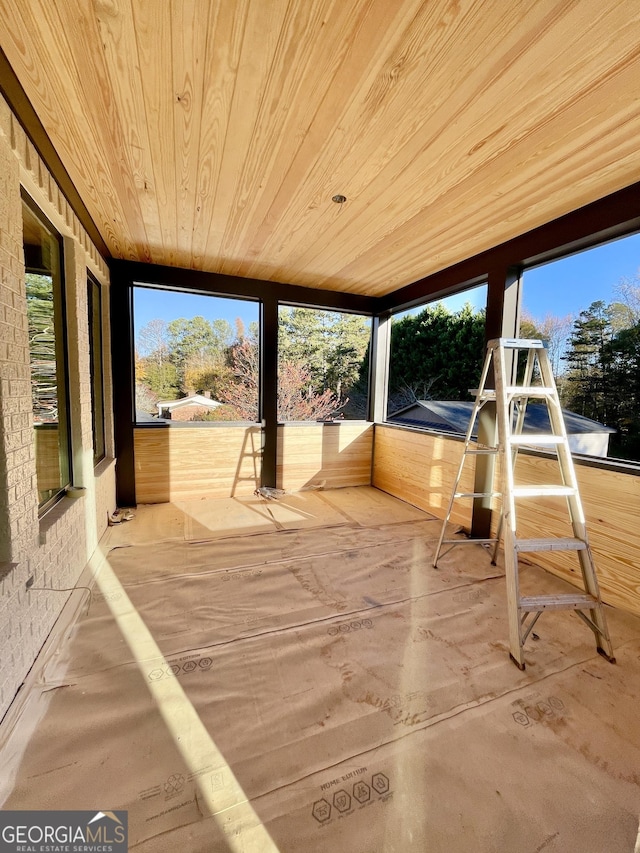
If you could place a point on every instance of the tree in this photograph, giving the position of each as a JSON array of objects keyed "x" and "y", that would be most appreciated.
[
  {"x": 197, "y": 345},
  {"x": 623, "y": 353},
  {"x": 161, "y": 380},
  {"x": 330, "y": 346},
  {"x": 588, "y": 361},
  {"x": 153, "y": 341},
  {"x": 555, "y": 331},
  {"x": 348, "y": 344},
  {"x": 241, "y": 389},
  {"x": 629, "y": 292},
  {"x": 42, "y": 347},
  {"x": 297, "y": 399},
  {"x": 435, "y": 354}
]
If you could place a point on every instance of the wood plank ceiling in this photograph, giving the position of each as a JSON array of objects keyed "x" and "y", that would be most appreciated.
[{"x": 212, "y": 134}]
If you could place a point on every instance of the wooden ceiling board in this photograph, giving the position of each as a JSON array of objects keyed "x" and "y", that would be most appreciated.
[
  {"x": 527, "y": 188},
  {"x": 300, "y": 204},
  {"x": 411, "y": 188},
  {"x": 212, "y": 134},
  {"x": 117, "y": 33}
]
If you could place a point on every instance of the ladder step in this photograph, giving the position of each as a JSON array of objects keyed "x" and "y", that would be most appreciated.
[
  {"x": 550, "y": 544},
  {"x": 529, "y": 391},
  {"x": 512, "y": 391},
  {"x": 516, "y": 343},
  {"x": 542, "y": 491},
  {"x": 482, "y": 451},
  {"x": 535, "y": 438},
  {"x": 572, "y": 601}
]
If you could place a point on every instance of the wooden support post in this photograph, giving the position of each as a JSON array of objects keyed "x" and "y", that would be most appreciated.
[
  {"x": 123, "y": 365},
  {"x": 379, "y": 368},
  {"x": 502, "y": 320},
  {"x": 268, "y": 407}
]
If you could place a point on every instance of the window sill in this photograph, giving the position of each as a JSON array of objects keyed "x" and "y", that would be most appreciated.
[{"x": 104, "y": 465}]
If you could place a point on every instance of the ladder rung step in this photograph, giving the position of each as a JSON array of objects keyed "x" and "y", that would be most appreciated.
[
  {"x": 542, "y": 491},
  {"x": 534, "y": 438},
  {"x": 550, "y": 544},
  {"x": 577, "y": 601},
  {"x": 518, "y": 391},
  {"x": 516, "y": 343},
  {"x": 478, "y": 495},
  {"x": 482, "y": 451},
  {"x": 529, "y": 391}
]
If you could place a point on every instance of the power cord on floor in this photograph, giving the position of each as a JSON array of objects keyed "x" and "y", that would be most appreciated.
[{"x": 62, "y": 589}]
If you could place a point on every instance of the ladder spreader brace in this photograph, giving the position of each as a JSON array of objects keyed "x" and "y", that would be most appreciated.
[{"x": 511, "y": 405}]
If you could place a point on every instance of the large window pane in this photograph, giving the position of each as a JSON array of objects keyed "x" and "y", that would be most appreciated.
[
  {"x": 587, "y": 307},
  {"x": 322, "y": 365},
  {"x": 436, "y": 357},
  {"x": 47, "y": 347},
  {"x": 197, "y": 357},
  {"x": 94, "y": 302}
]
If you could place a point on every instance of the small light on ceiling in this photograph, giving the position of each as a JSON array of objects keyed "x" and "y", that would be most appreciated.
[{"x": 339, "y": 199}]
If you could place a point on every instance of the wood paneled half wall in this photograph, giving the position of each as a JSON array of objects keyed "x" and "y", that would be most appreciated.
[
  {"x": 420, "y": 467},
  {"x": 192, "y": 462},
  {"x": 324, "y": 455},
  {"x": 182, "y": 463}
]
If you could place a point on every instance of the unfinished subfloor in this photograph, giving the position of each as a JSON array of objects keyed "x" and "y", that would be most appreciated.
[{"x": 293, "y": 675}]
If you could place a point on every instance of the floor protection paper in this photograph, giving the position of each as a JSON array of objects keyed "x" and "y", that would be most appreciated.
[{"x": 326, "y": 688}]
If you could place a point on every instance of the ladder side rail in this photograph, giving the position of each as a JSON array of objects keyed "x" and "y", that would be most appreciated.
[
  {"x": 508, "y": 508},
  {"x": 517, "y": 430},
  {"x": 576, "y": 512}
]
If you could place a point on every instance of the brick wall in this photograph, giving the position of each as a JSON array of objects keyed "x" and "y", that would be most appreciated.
[{"x": 42, "y": 557}]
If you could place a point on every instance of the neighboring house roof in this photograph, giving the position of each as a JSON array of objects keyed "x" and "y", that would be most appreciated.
[
  {"x": 453, "y": 416},
  {"x": 143, "y": 417},
  {"x": 191, "y": 400}
]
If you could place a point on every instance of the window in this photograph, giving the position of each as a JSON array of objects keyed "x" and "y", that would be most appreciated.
[
  {"x": 197, "y": 357},
  {"x": 587, "y": 307},
  {"x": 323, "y": 365},
  {"x": 47, "y": 348},
  {"x": 436, "y": 356},
  {"x": 94, "y": 302}
]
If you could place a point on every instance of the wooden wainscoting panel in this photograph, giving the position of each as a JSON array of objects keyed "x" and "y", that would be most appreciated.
[
  {"x": 327, "y": 455},
  {"x": 420, "y": 468},
  {"x": 180, "y": 464}
]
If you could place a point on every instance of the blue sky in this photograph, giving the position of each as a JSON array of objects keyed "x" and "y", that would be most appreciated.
[
  {"x": 150, "y": 304},
  {"x": 570, "y": 285}
]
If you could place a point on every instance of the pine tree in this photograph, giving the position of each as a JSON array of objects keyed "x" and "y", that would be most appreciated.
[{"x": 588, "y": 362}]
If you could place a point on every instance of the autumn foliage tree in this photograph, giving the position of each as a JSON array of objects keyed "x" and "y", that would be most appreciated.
[{"x": 297, "y": 398}]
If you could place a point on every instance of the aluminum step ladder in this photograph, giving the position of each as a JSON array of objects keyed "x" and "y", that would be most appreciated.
[{"x": 511, "y": 404}]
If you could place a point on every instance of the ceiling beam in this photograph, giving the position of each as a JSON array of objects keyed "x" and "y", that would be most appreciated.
[{"x": 217, "y": 284}]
